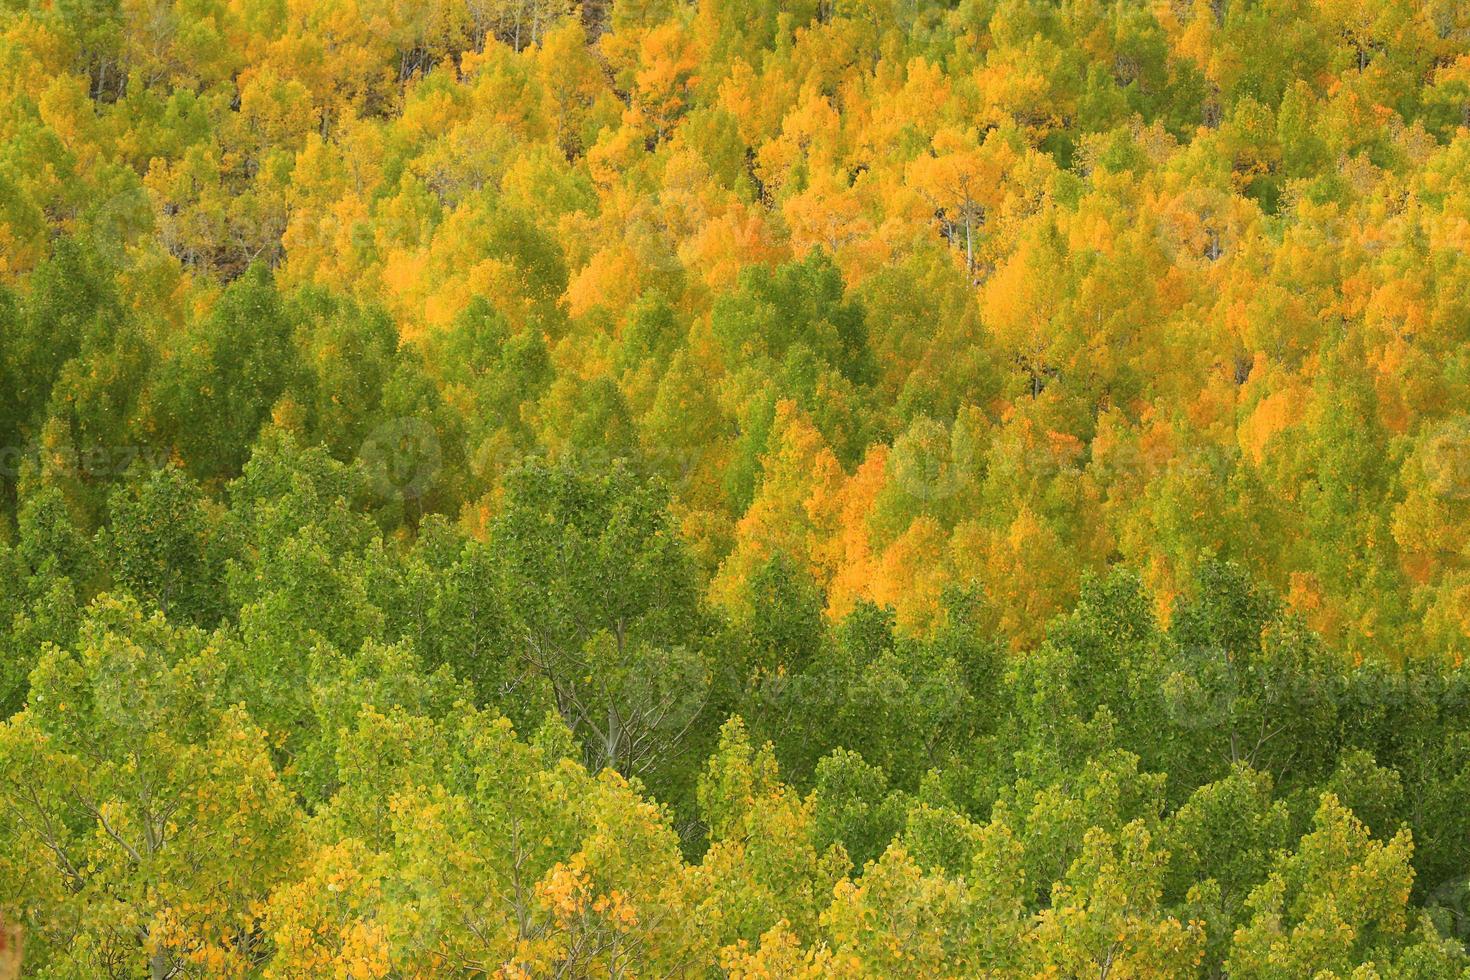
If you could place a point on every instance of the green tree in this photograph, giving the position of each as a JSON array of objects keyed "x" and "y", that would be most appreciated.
[
  {"x": 143, "y": 822},
  {"x": 225, "y": 375},
  {"x": 602, "y": 602},
  {"x": 161, "y": 544},
  {"x": 1336, "y": 903}
]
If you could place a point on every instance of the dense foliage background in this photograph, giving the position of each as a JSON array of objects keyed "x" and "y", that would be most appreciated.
[{"x": 830, "y": 488}]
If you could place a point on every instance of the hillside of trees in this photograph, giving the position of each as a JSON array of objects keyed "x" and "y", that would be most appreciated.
[{"x": 735, "y": 488}]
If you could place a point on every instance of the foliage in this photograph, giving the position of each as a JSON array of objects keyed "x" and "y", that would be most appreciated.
[{"x": 653, "y": 487}]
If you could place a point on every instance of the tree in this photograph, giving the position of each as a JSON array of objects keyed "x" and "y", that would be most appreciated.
[
  {"x": 764, "y": 866},
  {"x": 1336, "y": 902},
  {"x": 854, "y": 807},
  {"x": 160, "y": 541},
  {"x": 797, "y": 303},
  {"x": 1221, "y": 843},
  {"x": 797, "y": 469},
  {"x": 602, "y": 602},
  {"x": 1105, "y": 915},
  {"x": 453, "y": 845},
  {"x": 143, "y": 822},
  {"x": 897, "y": 920},
  {"x": 962, "y": 178},
  {"x": 229, "y": 368}
]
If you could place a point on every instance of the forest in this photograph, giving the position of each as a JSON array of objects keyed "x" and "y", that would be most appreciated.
[{"x": 735, "y": 489}]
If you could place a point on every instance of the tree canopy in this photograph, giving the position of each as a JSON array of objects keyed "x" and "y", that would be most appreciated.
[{"x": 842, "y": 488}]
